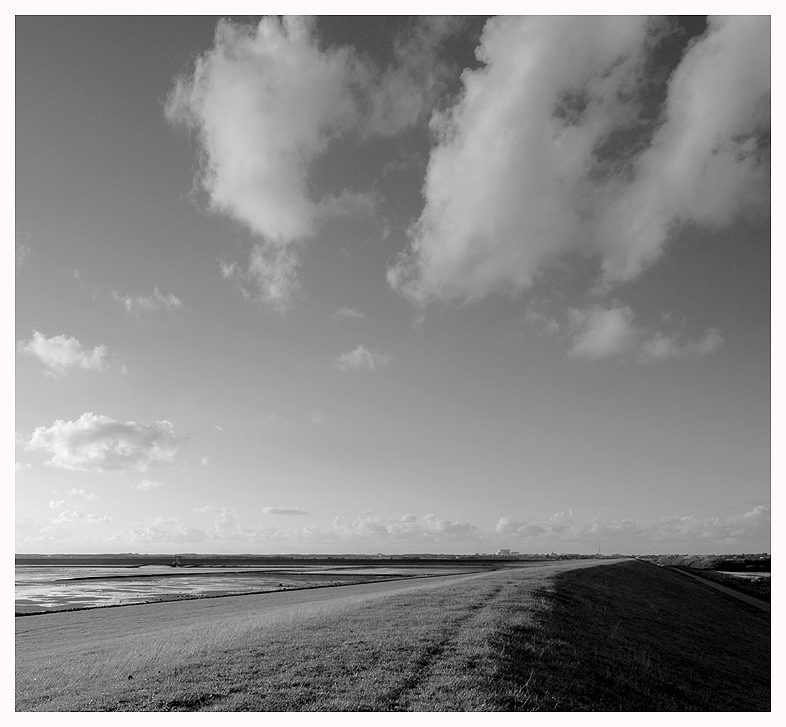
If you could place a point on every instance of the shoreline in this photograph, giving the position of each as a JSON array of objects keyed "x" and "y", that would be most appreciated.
[{"x": 191, "y": 597}]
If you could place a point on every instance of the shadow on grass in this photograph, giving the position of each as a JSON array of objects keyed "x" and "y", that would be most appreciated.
[{"x": 633, "y": 637}]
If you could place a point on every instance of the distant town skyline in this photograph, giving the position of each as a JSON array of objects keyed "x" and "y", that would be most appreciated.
[{"x": 392, "y": 284}]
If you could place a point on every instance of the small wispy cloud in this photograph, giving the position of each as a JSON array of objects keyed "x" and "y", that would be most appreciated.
[
  {"x": 23, "y": 251},
  {"x": 546, "y": 326},
  {"x": 204, "y": 508},
  {"x": 61, "y": 354},
  {"x": 82, "y": 493},
  {"x": 138, "y": 304},
  {"x": 361, "y": 359},
  {"x": 601, "y": 332},
  {"x": 74, "y": 516},
  {"x": 598, "y": 332},
  {"x": 348, "y": 313},
  {"x": 204, "y": 461},
  {"x": 661, "y": 346},
  {"x": 283, "y": 511},
  {"x": 147, "y": 485}
]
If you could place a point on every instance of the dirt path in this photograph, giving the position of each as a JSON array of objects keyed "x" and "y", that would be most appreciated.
[{"x": 729, "y": 591}]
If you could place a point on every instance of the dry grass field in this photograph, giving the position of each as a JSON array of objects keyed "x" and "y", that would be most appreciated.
[{"x": 549, "y": 636}]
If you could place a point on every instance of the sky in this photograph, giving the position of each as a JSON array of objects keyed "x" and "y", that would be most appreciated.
[{"x": 392, "y": 284}]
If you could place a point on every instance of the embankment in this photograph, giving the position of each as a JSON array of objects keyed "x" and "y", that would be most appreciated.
[{"x": 561, "y": 636}]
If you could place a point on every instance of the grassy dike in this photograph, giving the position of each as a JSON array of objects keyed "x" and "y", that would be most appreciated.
[{"x": 611, "y": 636}]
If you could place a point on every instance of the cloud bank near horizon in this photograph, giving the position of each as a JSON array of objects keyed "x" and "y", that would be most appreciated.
[{"x": 746, "y": 532}]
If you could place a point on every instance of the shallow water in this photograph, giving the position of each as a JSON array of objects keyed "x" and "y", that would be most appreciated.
[{"x": 56, "y": 588}]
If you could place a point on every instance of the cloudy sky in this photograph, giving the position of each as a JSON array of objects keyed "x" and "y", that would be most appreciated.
[{"x": 392, "y": 284}]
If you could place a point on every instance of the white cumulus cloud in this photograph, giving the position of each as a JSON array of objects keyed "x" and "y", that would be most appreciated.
[
  {"x": 61, "y": 354},
  {"x": 102, "y": 444},
  {"x": 265, "y": 103},
  {"x": 523, "y": 170},
  {"x": 361, "y": 359}
]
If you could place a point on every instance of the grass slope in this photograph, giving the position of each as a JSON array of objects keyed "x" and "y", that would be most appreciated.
[
  {"x": 625, "y": 636},
  {"x": 635, "y": 637}
]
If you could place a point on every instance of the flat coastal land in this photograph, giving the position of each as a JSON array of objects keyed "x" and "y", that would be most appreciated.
[{"x": 552, "y": 636}]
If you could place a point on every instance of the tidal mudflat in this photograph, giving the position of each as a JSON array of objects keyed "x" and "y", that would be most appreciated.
[{"x": 42, "y": 589}]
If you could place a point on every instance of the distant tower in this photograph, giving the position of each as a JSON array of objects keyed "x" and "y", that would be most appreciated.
[{"x": 176, "y": 562}]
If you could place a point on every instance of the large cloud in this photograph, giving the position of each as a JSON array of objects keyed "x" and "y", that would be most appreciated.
[
  {"x": 101, "y": 444},
  {"x": 266, "y": 101},
  {"x": 61, "y": 354},
  {"x": 525, "y": 168}
]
